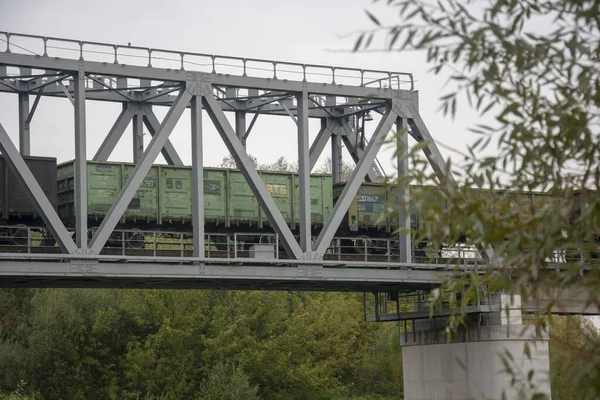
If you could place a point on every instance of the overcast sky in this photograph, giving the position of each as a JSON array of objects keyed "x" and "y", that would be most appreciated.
[{"x": 306, "y": 31}]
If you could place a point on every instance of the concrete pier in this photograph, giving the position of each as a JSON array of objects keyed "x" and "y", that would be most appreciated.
[{"x": 470, "y": 364}]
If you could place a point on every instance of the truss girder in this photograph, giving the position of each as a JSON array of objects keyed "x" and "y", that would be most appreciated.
[
  {"x": 51, "y": 81},
  {"x": 256, "y": 184},
  {"x": 168, "y": 151},
  {"x": 351, "y": 187},
  {"x": 356, "y": 150},
  {"x": 173, "y": 75},
  {"x": 265, "y": 275},
  {"x": 115, "y": 134},
  {"x": 36, "y": 194},
  {"x": 140, "y": 171}
]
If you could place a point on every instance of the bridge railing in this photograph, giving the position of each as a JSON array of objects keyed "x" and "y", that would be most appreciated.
[
  {"x": 208, "y": 63},
  {"x": 151, "y": 243}
]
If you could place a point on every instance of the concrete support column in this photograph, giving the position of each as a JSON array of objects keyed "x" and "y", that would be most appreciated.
[{"x": 470, "y": 365}]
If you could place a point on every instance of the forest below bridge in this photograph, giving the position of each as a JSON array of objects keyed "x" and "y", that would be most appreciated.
[{"x": 202, "y": 344}]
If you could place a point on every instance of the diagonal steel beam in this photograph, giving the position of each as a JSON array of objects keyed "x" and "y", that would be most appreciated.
[
  {"x": 36, "y": 194},
  {"x": 252, "y": 123},
  {"x": 14, "y": 89},
  {"x": 32, "y": 87},
  {"x": 168, "y": 152},
  {"x": 254, "y": 181},
  {"x": 292, "y": 116},
  {"x": 140, "y": 171},
  {"x": 113, "y": 137},
  {"x": 319, "y": 143},
  {"x": 66, "y": 91},
  {"x": 35, "y": 104},
  {"x": 350, "y": 139},
  {"x": 351, "y": 188},
  {"x": 420, "y": 133}
]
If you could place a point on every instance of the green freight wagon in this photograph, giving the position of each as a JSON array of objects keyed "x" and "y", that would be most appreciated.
[
  {"x": 164, "y": 198},
  {"x": 373, "y": 210}
]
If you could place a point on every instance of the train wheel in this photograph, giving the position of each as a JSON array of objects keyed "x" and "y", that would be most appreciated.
[
  {"x": 135, "y": 239},
  {"x": 18, "y": 235},
  {"x": 362, "y": 245}
]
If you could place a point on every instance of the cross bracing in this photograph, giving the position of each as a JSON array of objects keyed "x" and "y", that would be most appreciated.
[{"x": 144, "y": 78}]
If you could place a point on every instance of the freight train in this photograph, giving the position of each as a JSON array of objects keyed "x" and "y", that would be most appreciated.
[{"x": 164, "y": 202}]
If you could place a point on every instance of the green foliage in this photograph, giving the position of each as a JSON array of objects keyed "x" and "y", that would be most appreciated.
[
  {"x": 529, "y": 68},
  {"x": 182, "y": 344},
  {"x": 572, "y": 339},
  {"x": 281, "y": 164},
  {"x": 228, "y": 382}
]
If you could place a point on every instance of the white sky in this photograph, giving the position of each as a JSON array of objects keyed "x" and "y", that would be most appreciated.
[{"x": 306, "y": 31}]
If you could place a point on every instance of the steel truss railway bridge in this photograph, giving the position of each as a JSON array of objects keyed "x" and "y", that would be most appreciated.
[
  {"x": 144, "y": 78},
  {"x": 141, "y": 79}
]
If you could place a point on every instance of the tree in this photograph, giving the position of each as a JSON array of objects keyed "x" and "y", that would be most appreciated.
[
  {"x": 572, "y": 338},
  {"x": 228, "y": 382},
  {"x": 327, "y": 168},
  {"x": 530, "y": 68},
  {"x": 229, "y": 162}
]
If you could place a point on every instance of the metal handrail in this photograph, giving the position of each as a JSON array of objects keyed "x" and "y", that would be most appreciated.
[{"x": 332, "y": 72}]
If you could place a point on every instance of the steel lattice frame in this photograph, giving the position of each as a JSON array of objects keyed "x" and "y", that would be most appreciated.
[{"x": 336, "y": 105}]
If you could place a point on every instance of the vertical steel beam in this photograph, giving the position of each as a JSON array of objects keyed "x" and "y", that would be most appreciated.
[
  {"x": 304, "y": 171},
  {"x": 319, "y": 143},
  {"x": 254, "y": 181},
  {"x": 24, "y": 132},
  {"x": 240, "y": 126},
  {"x": 36, "y": 194},
  {"x": 336, "y": 158},
  {"x": 138, "y": 137},
  {"x": 80, "y": 160},
  {"x": 197, "y": 177},
  {"x": 114, "y": 135},
  {"x": 405, "y": 248},
  {"x": 168, "y": 152},
  {"x": 140, "y": 171},
  {"x": 351, "y": 188}
]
